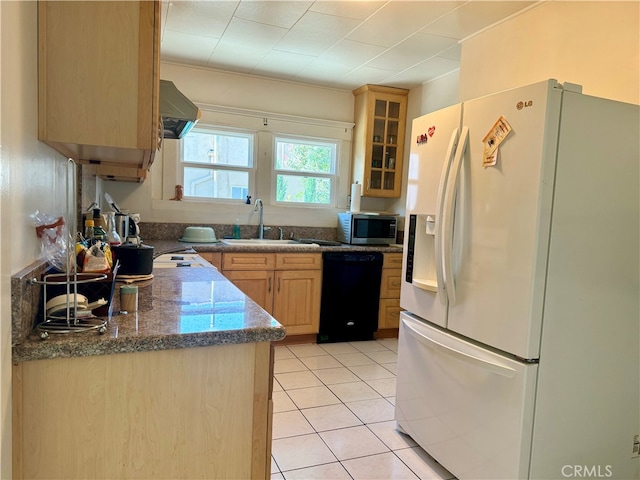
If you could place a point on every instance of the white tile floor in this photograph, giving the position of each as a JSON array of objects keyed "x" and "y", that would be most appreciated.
[{"x": 333, "y": 415}]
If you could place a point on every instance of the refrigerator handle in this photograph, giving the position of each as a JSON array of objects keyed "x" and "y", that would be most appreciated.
[
  {"x": 493, "y": 367},
  {"x": 447, "y": 215},
  {"x": 442, "y": 186}
]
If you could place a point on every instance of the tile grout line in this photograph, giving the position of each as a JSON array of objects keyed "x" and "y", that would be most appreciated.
[{"x": 363, "y": 423}]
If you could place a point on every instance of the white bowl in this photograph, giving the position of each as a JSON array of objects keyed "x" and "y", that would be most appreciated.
[
  {"x": 60, "y": 302},
  {"x": 199, "y": 235}
]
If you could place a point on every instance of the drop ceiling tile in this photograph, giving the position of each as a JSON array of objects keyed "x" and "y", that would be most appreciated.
[
  {"x": 196, "y": 49},
  {"x": 200, "y": 17},
  {"x": 235, "y": 58},
  {"x": 365, "y": 74},
  {"x": 315, "y": 33},
  {"x": 398, "y": 20},
  {"x": 283, "y": 14},
  {"x": 251, "y": 35},
  {"x": 474, "y": 16},
  {"x": 428, "y": 70},
  {"x": 411, "y": 51},
  {"x": 359, "y": 10},
  {"x": 348, "y": 52},
  {"x": 282, "y": 64},
  {"x": 452, "y": 53}
]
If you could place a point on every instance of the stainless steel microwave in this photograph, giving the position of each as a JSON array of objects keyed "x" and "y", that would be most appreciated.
[{"x": 366, "y": 228}]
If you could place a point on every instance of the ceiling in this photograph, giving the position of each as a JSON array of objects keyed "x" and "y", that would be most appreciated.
[{"x": 341, "y": 44}]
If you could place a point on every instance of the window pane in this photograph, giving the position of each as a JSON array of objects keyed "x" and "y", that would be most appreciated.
[
  {"x": 305, "y": 157},
  {"x": 217, "y": 148},
  {"x": 215, "y": 183},
  {"x": 300, "y": 189}
]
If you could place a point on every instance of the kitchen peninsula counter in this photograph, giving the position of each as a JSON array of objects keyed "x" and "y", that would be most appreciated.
[
  {"x": 178, "y": 308},
  {"x": 180, "y": 389}
]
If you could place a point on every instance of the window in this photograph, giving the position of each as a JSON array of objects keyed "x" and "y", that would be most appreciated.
[
  {"x": 304, "y": 170},
  {"x": 217, "y": 164}
]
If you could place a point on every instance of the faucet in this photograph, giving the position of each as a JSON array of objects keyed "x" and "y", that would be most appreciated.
[{"x": 261, "y": 228}]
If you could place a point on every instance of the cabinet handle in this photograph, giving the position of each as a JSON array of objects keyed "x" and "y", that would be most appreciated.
[
  {"x": 269, "y": 287},
  {"x": 279, "y": 283}
]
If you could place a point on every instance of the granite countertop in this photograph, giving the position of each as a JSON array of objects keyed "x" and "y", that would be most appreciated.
[
  {"x": 178, "y": 308},
  {"x": 170, "y": 246}
]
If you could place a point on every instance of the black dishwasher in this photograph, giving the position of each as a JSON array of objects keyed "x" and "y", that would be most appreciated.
[{"x": 350, "y": 296}]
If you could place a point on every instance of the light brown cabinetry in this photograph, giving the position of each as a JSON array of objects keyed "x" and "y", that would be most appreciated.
[
  {"x": 378, "y": 139},
  {"x": 98, "y": 83},
  {"x": 389, "y": 311},
  {"x": 214, "y": 258},
  {"x": 287, "y": 285},
  {"x": 202, "y": 412}
]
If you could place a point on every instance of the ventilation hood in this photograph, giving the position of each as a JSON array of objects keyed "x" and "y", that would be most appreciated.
[{"x": 179, "y": 114}]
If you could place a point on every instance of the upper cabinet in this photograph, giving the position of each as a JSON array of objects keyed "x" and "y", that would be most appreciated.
[
  {"x": 99, "y": 83},
  {"x": 378, "y": 145}
]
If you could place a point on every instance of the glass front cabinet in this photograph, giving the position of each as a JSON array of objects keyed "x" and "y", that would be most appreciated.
[{"x": 378, "y": 140}]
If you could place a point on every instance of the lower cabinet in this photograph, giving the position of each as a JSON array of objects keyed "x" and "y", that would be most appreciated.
[
  {"x": 389, "y": 311},
  {"x": 214, "y": 258},
  {"x": 287, "y": 285},
  {"x": 202, "y": 412}
]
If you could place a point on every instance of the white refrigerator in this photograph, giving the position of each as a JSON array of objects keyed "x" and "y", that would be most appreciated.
[{"x": 518, "y": 352}]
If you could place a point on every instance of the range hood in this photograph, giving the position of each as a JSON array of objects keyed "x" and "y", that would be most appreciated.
[{"x": 179, "y": 114}]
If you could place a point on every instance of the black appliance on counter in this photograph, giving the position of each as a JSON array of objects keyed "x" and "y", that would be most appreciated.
[{"x": 350, "y": 296}]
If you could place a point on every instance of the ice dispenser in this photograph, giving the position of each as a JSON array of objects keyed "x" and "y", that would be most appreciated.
[{"x": 421, "y": 252}]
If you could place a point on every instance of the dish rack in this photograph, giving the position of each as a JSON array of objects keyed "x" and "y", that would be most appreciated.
[{"x": 73, "y": 283}]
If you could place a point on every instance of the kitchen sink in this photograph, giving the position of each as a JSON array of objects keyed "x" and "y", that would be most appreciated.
[{"x": 258, "y": 242}]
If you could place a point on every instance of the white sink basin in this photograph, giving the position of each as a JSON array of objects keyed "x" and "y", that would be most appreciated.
[{"x": 256, "y": 242}]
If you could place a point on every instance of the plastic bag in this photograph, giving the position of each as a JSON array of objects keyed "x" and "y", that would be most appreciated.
[
  {"x": 55, "y": 241},
  {"x": 97, "y": 259}
]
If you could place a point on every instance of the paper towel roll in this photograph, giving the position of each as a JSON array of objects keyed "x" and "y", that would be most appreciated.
[{"x": 356, "y": 193}]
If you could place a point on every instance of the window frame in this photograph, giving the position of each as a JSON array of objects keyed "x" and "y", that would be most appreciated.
[
  {"x": 335, "y": 143},
  {"x": 251, "y": 169}
]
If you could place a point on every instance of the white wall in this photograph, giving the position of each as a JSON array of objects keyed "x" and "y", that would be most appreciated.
[
  {"x": 241, "y": 92},
  {"x": 31, "y": 178},
  {"x": 594, "y": 44}
]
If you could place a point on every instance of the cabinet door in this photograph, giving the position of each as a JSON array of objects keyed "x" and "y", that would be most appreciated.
[
  {"x": 390, "y": 284},
  {"x": 378, "y": 142},
  {"x": 389, "y": 313},
  {"x": 256, "y": 284},
  {"x": 214, "y": 258},
  {"x": 98, "y": 82},
  {"x": 296, "y": 302}
]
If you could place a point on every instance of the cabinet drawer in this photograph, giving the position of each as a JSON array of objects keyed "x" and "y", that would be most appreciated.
[
  {"x": 390, "y": 284},
  {"x": 298, "y": 261},
  {"x": 248, "y": 261},
  {"x": 389, "y": 313},
  {"x": 392, "y": 260}
]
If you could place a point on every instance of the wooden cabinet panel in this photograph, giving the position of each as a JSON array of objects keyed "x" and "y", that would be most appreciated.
[
  {"x": 287, "y": 285},
  {"x": 248, "y": 261},
  {"x": 187, "y": 413},
  {"x": 378, "y": 139},
  {"x": 389, "y": 310},
  {"x": 298, "y": 261},
  {"x": 296, "y": 303},
  {"x": 256, "y": 284},
  {"x": 389, "y": 314},
  {"x": 99, "y": 83},
  {"x": 214, "y": 258},
  {"x": 392, "y": 260},
  {"x": 390, "y": 284}
]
